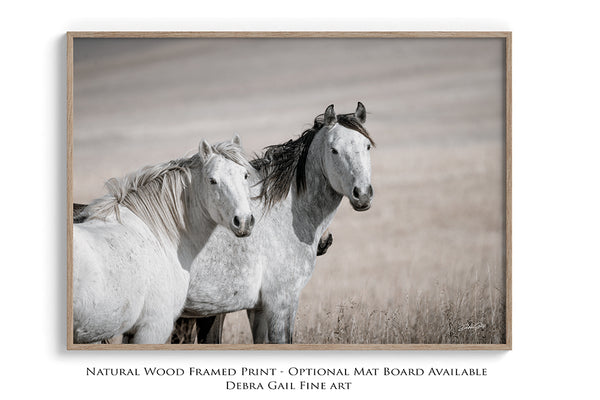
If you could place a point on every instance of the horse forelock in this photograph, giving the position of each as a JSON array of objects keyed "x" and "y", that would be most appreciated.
[
  {"x": 154, "y": 193},
  {"x": 351, "y": 122},
  {"x": 232, "y": 152},
  {"x": 281, "y": 163}
]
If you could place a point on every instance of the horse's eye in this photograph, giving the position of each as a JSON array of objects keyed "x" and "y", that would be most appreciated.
[
  {"x": 213, "y": 181},
  {"x": 334, "y": 151},
  {"x": 368, "y": 147},
  {"x": 246, "y": 176}
]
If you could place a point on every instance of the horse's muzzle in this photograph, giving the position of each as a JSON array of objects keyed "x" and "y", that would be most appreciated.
[
  {"x": 361, "y": 198},
  {"x": 242, "y": 227},
  {"x": 361, "y": 208}
]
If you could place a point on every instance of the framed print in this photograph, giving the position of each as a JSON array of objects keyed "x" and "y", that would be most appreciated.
[{"x": 289, "y": 190}]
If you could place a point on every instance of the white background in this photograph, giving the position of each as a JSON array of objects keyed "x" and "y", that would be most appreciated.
[{"x": 555, "y": 208}]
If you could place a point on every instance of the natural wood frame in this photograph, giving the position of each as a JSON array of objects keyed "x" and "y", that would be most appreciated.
[{"x": 507, "y": 36}]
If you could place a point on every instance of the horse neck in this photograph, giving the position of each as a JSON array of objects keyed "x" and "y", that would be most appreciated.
[
  {"x": 319, "y": 201},
  {"x": 197, "y": 229}
]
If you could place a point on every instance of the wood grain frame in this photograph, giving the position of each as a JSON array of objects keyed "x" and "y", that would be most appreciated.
[{"x": 507, "y": 36}]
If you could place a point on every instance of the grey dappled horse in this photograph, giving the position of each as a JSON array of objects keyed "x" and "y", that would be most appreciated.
[{"x": 298, "y": 187}]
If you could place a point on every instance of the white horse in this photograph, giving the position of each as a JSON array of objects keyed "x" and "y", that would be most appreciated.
[
  {"x": 132, "y": 253},
  {"x": 297, "y": 188}
]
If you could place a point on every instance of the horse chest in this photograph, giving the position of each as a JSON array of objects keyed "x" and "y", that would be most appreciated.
[
  {"x": 223, "y": 281},
  {"x": 289, "y": 268}
]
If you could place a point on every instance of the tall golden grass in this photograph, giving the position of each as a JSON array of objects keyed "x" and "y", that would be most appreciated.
[{"x": 469, "y": 310}]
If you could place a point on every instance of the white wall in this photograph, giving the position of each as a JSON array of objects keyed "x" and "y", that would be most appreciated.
[{"x": 555, "y": 189}]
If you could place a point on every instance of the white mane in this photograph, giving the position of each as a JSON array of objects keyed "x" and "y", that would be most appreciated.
[{"x": 156, "y": 193}]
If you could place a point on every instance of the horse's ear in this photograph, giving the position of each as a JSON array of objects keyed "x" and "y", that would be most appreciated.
[
  {"x": 205, "y": 150},
  {"x": 329, "y": 116},
  {"x": 361, "y": 113},
  {"x": 236, "y": 140}
]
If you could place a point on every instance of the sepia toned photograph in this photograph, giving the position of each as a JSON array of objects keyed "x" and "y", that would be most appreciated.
[{"x": 305, "y": 190}]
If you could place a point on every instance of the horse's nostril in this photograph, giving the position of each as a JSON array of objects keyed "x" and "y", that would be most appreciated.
[
  {"x": 355, "y": 192},
  {"x": 251, "y": 220},
  {"x": 236, "y": 222},
  {"x": 370, "y": 190}
]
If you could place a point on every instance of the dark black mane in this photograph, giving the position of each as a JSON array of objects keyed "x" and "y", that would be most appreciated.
[{"x": 280, "y": 163}]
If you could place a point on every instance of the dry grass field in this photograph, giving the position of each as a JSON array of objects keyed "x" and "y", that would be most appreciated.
[{"x": 426, "y": 263}]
